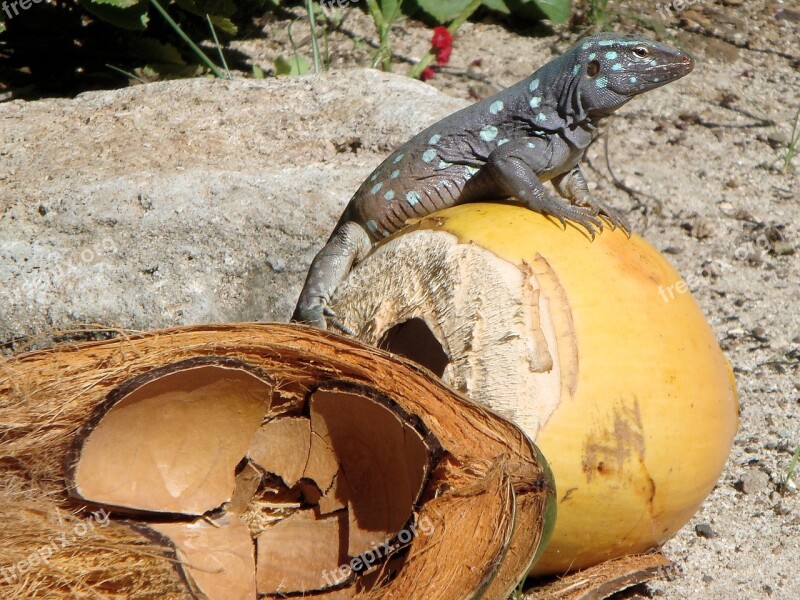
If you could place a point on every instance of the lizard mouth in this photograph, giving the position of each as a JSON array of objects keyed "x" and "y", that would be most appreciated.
[
  {"x": 683, "y": 65},
  {"x": 670, "y": 71}
]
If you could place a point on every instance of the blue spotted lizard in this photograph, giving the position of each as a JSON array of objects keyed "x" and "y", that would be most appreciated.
[{"x": 504, "y": 147}]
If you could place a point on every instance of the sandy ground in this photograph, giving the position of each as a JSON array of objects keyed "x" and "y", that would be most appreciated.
[{"x": 700, "y": 158}]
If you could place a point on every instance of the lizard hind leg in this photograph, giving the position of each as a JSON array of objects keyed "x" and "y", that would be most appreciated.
[
  {"x": 511, "y": 171},
  {"x": 330, "y": 267}
]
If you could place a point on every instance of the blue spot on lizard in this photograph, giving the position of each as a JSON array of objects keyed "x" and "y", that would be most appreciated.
[
  {"x": 488, "y": 133},
  {"x": 412, "y": 198}
]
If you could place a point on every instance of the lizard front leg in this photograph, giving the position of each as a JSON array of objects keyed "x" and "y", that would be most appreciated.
[
  {"x": 348, "y": 244},
  {"x": 572, "y": 186},
  {"x": 511, "y": 170}
]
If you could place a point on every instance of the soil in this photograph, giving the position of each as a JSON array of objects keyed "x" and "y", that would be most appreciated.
[{"x": 699, "y": 166}]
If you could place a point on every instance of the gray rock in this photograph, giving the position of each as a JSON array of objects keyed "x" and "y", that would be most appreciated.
[
  {"x": 705, "y": 530},
  {"x": 187, "y": 201},
  {"x": 754, "y": 481}
]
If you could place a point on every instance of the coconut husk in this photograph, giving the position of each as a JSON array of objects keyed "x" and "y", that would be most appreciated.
[
  {"x": 606, "y": 579},
  {"x": 470, "y": 486}
]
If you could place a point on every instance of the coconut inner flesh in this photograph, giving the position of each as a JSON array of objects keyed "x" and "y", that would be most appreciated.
[
  {"x": 369, "y": 462},
  {"x": 253, "y": 503},
  {"x": 216, "y": 556},
  {"x": 303, "y": 553},
  {"x": 384, "y": 459},
  {"x": 171, "y": 443}
]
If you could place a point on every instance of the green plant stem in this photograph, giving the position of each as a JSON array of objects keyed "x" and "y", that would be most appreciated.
[
  {"x": 796, "y": 455},
  {"x": 219, "y": 47},
  {"x": 791, "y": 150},
  {"x": 195, "y": 48},
  {"x": 126, "y": 73},
  {"x": 293, "y": 45},
  {"x": 312, "y": 21},
  {"x": 377, "y": 16},
  {"x": 597, "y": 13},
  {"x": 426, "y": 60},
  {"x": 382, "y": 24}
]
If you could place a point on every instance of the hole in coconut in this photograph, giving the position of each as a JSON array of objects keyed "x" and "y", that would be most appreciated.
[{"x": 414, "y": 340}]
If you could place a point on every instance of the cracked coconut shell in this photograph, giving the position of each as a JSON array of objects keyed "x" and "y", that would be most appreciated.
[
  {"x": 241, "y": 461},
  {"x": 594, "y": 348}
]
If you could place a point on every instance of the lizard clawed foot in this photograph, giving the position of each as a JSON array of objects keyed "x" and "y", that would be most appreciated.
[
  {"x": 333, "y": 319},
  {"x": 581, "y": 216},
  {"x": 614, "y": 217},
  {"x": 564, "y": 212},
  {"x": 318, "y": 314}
]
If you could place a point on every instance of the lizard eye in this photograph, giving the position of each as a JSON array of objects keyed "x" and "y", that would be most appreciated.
[
  {"x": 641, "y": 51},
  {"x": 593, "y": 68}
]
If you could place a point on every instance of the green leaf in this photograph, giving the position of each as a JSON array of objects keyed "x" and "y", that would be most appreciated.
[
  {"x": 556, "y": 11},
  {"x": 497, "y": 6},
  {"x": 114, "y": 3},
  {"x": 390, "y": 9},
  {"x": 153, "y": 51},
  {"x": 2, "y": 26},
  {"x": 443, "y": 11},
  {"x": 126, "y": 14},
  {"x": 258, "y": 72},
  {"x": 297, "y": 65},
  {"x": 220, "y": 12},
  {"x": 223, "y": 8},
  {"x": 224, "y": 24}
]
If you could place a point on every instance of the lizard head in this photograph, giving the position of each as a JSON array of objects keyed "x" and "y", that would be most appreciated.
[{"x": 612, "y": 68}]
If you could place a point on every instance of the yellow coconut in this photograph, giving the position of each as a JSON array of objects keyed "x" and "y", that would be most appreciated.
[{"x": 595, "y": 348}]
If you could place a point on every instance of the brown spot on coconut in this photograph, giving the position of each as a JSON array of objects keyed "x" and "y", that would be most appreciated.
[
  {"x": 169, "y": 441},
  {"x": 216, "y": 557},
  {"x": 583, "y": 344}
]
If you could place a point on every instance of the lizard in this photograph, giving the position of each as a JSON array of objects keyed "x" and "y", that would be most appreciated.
[{"x": 504, "y": 147}]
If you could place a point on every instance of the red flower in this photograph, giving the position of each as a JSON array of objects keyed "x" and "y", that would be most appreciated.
[
  {"x": 427, "y": 73},
  {"x": 442, "y": 44}
]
